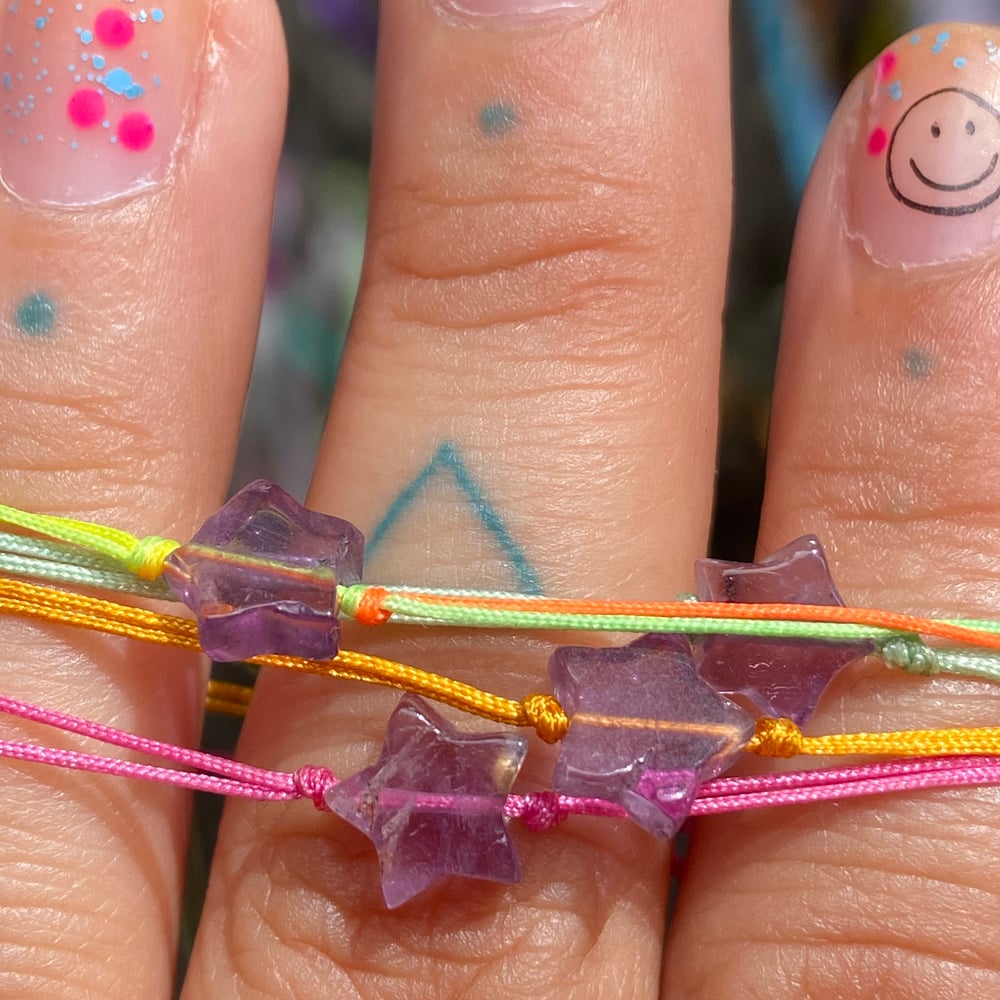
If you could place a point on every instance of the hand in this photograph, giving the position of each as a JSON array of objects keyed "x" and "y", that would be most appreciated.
[{"x": 539, "y": 316}]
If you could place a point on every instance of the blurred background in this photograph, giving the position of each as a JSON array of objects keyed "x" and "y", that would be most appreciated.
[{"x": 791, "y": 61}]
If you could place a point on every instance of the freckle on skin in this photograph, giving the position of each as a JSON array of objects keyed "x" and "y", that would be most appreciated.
[
  {"x": 918, "y": 363},
  {"x": 497, "y": 118}
]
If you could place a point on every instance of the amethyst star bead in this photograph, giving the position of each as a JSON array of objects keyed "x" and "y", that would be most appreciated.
[
  {"x": 645, "y": 730},
  {"x": 780, "y": 677},
  {"x": 261, "y": 575},
  {"x": 433, "y": 804}
]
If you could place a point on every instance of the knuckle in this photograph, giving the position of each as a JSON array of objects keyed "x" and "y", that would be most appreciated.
[
  {"x": 515, "y": 256},
  {"x": 314, "y": 913},
  {"x": 80, "y": 447}
]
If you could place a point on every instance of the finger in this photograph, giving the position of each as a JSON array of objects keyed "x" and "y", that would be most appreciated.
[
  {"x": 883, "y": 443},
  {"x": 527, "y": 401},
  {"x": 137, "y": 149}
]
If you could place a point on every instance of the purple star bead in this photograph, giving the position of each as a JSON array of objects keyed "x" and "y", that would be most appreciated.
[
  {"x": 261, "y": 575},
  {"x": 780, "y": 677},
  {"x": 645, "y": 730},
  {"x": 433, "y": 805}
]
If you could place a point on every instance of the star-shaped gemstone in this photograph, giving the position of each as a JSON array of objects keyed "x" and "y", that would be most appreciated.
[
  {"x": 645, "y": 730},
  {"x": 780, "y": 677},
  {"x": 262, "y": 575},
  {"x": 433, "y": 804}
]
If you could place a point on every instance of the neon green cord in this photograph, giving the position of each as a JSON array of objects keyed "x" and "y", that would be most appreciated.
[{"x": 141, "y": 556}]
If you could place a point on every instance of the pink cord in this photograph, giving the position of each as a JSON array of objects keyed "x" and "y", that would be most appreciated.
[
  {"x": 222, "y": 776},
  {"x": 538, "y": 810}
]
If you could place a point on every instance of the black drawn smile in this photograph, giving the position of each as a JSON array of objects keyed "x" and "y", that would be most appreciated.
[{"x": 924, "y": 179}]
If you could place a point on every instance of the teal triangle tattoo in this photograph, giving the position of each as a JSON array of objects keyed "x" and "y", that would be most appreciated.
[{"x": 447, "y": 461}]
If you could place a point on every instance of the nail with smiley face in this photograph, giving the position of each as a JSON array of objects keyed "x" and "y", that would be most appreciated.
[{"x": 926, "y": 183}]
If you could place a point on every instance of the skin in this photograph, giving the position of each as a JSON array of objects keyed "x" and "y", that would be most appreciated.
[{"x": 553, "y": 302}]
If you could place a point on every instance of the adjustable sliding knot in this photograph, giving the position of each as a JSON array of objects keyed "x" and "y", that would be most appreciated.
[
  {"x": 542, "y": 811},
  {"x": 548, "y": 717},
  {"x": 776, "y": 738},
  {"x": 909, "y": 653},
  {"x": 148, "y": 555},
  {"x": 364, "y": 604},
  {"x": 313, "y": 783}
]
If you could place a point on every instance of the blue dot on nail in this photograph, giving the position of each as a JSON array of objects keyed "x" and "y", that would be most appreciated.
[
  {"x": 8, "y": 84},
  {"x": 156, "y": 14},
  {"x": 36, "y": 315},
  {"x": 497, "y": 118},
  {"x": 120, "y": 81},
  {"x": 896, "y": 91},
  {"x": 959, "y": 62},
  {"x": 40, "y": 22},
  {"x": 86, "y": 36},
  {"x": 98, "y": 62}
]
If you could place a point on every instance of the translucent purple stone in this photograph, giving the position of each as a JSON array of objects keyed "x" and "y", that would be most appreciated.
[
  {"x": 433, "y": 804},
  {"x": 780, "y": 677},
  {"x": 645, "y": 730},
  {"x": 261, "y": 575}
]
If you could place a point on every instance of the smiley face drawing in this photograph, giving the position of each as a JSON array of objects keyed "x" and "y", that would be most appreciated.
[{"x": 943, "y": 155}]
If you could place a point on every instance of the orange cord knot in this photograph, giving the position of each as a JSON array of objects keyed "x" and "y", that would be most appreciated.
[
  {"x": 369, "y": 610},
  {"x": 776, "y": 738},
  {"x": 548, "y": 717},
  {"x": 148, "y": 555}
]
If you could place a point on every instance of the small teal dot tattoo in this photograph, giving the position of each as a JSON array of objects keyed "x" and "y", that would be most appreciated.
[
  {"x": 918, "y": 363},
  {"x": 36, "y": 315},
  {"x": 497, "y": 118}
]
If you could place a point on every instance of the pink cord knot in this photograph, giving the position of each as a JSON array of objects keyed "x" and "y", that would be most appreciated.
[
  {"x": 542, "y": 811},
  {"x": 313, "y": 783}
]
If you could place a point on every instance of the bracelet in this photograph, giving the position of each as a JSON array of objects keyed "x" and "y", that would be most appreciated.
[{"x": 644, "y": 730}]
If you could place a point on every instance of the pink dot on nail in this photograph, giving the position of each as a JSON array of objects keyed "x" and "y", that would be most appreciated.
[
  {"x": 114, "y": 28},
  {"x": 885, "y": 65},
  {"x": 86, "y": 108},
  {"x": 877, "y": 141},
  {"x": 135, "y": 131}
]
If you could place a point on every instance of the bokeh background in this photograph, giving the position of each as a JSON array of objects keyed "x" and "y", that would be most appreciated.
[{"x": 791, "y": 61}]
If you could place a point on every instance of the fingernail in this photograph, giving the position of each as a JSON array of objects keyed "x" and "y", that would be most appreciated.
[
  {"x": 95, "y": 95},
  {"x": 514, "y": 10},
  {"x": 925, "y": 181}
]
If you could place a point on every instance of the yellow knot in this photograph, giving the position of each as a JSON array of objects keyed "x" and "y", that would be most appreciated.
[
  {"x": 776, "y": 738},
  {"x": 548, "y": 717},
  {"x": 148, "y": 555}
]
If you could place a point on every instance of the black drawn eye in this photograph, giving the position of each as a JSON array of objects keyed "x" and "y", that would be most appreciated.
[
  {"x": 970, "y": 127},
  {"x": 935, "y": 130}
]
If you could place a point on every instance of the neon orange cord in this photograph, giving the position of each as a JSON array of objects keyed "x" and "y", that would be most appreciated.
[{"x": 834, "y": 614}]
